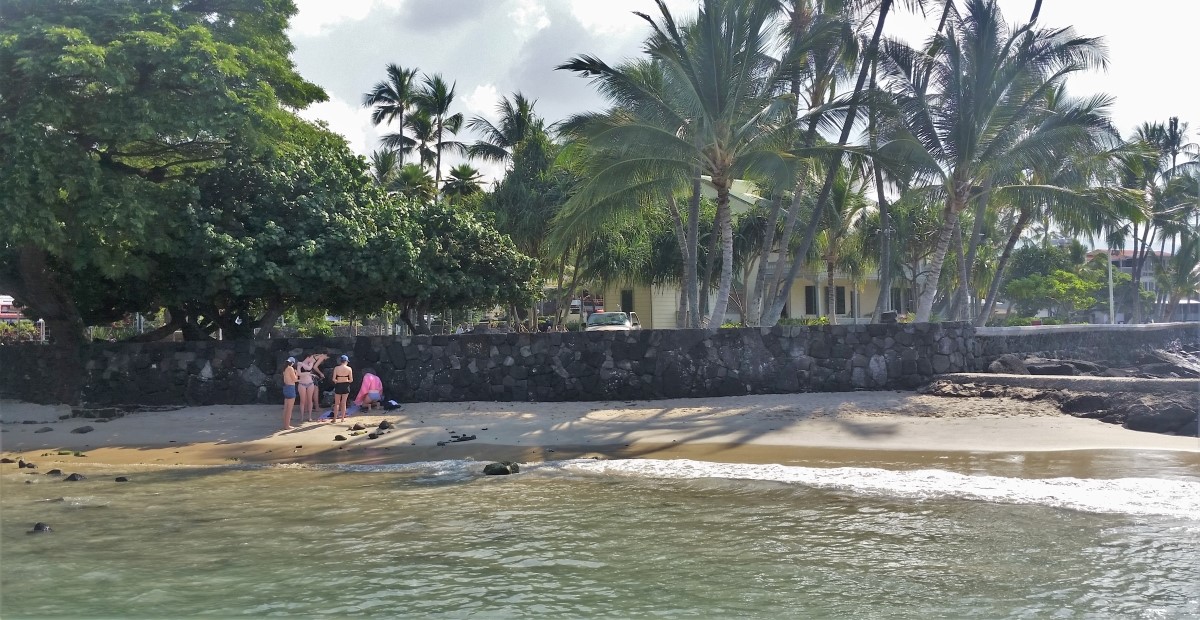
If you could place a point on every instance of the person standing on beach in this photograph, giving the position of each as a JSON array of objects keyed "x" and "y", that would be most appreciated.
[
  {"x": 289, "y": 391},
  {"x": 343, "y": 376},
  {"x": 309, "y": 390}
]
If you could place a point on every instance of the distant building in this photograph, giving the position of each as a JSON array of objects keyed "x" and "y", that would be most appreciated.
[{"x": 9, "y": 311}]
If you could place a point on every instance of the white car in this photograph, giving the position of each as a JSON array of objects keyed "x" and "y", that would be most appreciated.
[{"x": 613, "y": 322}]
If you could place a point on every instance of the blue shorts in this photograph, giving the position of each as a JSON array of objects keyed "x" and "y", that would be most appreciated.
[
  {"x": 374, "y": 395},
  {"x": 289, "y": 391}
]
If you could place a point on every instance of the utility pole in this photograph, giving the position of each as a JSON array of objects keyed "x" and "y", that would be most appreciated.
[{"x": 1112, "y": 311}]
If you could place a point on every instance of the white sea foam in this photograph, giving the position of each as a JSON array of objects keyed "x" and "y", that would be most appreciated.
[{"x": 1139, "y": 496}]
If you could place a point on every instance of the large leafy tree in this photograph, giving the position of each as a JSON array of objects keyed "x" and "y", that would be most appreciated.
[{"x": 107, "y": 110}]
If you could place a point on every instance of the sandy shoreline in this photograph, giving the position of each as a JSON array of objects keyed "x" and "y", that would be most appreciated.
[{"x": 752, "y": 429}]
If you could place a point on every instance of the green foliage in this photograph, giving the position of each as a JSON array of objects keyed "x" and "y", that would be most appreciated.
[
  {"x": 315, "y": 327},
  {"x": 1062, "y": 292},
  {"x": 107, "y": 111},
  {"x": 821, "y": 320},
  {"x": 20, "y": 331}
]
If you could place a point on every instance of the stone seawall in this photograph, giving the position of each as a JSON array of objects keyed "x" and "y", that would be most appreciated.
[
  {"x": 645, "y": 364},
  {"x": 1116, "y": 344}
]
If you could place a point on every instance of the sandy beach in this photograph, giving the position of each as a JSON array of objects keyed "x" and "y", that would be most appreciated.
[{"x": 752, "y": 429}]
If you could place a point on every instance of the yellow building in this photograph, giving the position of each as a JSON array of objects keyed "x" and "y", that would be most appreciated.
[{"x": 658, "y": 306}]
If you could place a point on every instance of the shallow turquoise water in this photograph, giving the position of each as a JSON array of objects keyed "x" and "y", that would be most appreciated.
[{"x": 610, "y": 539}]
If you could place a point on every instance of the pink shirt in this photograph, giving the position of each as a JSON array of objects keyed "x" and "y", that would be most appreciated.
[{"x": 370, "y": 383}]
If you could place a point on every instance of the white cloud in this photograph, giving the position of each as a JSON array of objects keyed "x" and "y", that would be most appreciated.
[
  {"x": 530, "y": 16},
  {"x": 616, "y": 18},
  {"x": 315, "y": 16},
  {"x": 482, "y": 102},
  {"x": 351, "y": 121}
]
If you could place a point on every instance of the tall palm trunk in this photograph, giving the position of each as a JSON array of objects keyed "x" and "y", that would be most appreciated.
[
  {"x": 968, "y": 270},
  {"x": 835, "y": 162},
  {"x": 934, "y": 269},
  {"x": 724, "y": 224},
  {"x": 692, "y": 266},
  {"x": 985, "y": 313},
  {"x": 754, "y": 287},
  {"x": 830, "y": 291},
  {"x": 681, "y": 236}
]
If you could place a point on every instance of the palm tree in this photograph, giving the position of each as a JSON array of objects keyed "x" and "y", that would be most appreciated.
[
  {"x": 966, "y": 109},
  {"x": 384, "y": 167},
  {"x": 517, "y": 122},
  {"x": 464, "y": 181},
  {"x": 414, "y": 182},
  {"x": 717, "y": 109},
  {"x": 435, "y": 99},
  {"x": 391, "y": 99}
]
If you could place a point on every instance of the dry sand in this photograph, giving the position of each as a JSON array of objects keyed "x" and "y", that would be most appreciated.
[{"x": 771, "y": 428}]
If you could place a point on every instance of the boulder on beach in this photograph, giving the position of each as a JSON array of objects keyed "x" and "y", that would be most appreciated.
[
  {"x": 339, "y": 438},
  {"x": 7, "y": 460},
  {"x": 122, "y": 479},
  {"x": 82, "y": 429},
  {"x": 358, "y": 426},
  {"x": 1008, "y": 364},
  {"x": 54, "y": 472},
  {"x": 502, "y": 468},
  {"x": 44, "y": 429},
  {"x": 74, "y": 478},
  {"x": 384, "y": 425}
]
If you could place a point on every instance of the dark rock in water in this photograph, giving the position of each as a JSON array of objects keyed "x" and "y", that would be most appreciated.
[
  {"x": 44, "y": 429},
  {"x": 503, "y": 468},
  {"x": 82, "y": 429},
  {"x": 384, "y": 425},
  {"x": 40, "y": 528},
  {"x": 54, "y": 472},
  {"x": 122, "y": 479},
  {"x": 74, "y": 478},
  {"x": 7, "y": 460},
  {"x": 1008, "y": 364},
  {"x": 339, "y": 438},
  {"x": 358, "y": 426},
  {"x": 1171, "y": 419}
]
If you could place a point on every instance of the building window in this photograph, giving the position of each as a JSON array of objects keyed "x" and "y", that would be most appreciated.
[
  {"x": 627, "y": 301},
  {"x": 810, "y": 300},
  {"x": 840, "y": 302}
]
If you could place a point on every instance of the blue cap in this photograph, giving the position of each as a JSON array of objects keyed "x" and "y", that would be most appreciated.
[
  {"x": 344, "y": 358},
  {"x": 291, "y": 360}
]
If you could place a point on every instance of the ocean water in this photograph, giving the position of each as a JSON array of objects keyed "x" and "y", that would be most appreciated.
[{"x": 610, "y": 539}]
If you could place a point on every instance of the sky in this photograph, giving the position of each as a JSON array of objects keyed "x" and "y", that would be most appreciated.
[{"x": 493, "y": 48}]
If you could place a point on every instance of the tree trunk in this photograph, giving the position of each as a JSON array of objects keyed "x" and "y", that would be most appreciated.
[
  {"x": 692, "y": 266},
  {"x": 681, "y": 235},
  {"x": 985, "y": 313},
  {"x": 266, "y": 324},
  {"x": 753, "y": 316},
  {"x": 934, "y": 270},
  {"x": 960, "y": 296},
  {"x": 830, "y": 293},
  {"x": 724, "y": 226},
  {"x": 884, "y": 301},
  {"x": 834, "y": 163},
  {"x": 968, "y": 270},
  {"x": 168, "y": 328},
  {"x": 44, "y": 292}
]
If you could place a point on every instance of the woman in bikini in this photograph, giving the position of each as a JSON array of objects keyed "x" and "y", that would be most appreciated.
[
  {"x": 290, "y": 377},
  {"x": 309, "y": 375},
  {"x": 343, "y": 376}
]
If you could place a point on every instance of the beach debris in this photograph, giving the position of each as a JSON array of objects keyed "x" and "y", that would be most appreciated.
[
  {"x": 82, "y": 429},
  {"x": 357, "y": 433},
  {"x": 40, "y": 528},
  {"x": 121, "y": 479},
  {"x": 74, "y": 478},
  {"x": 358, "y": 426},
  {"x": 339, "y": 438},
  {"x": 44, "y": 429},
  {"x": 7, "y": 460},
  {"x": 502, "y": 468},
  {"x": 298, "y": 447},
  {"x": 54, "y": 472}
]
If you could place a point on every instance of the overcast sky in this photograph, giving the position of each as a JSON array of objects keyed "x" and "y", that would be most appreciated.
[{"x": 492, "y": 48}]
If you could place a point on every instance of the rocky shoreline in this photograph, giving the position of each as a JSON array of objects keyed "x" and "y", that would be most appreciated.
[{"x": 1158, "y": 393}]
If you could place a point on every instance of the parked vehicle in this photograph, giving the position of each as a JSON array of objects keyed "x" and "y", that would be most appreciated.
[
  {"x": 613, "y": 321},
  {"x": 589, "y": 307}
]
